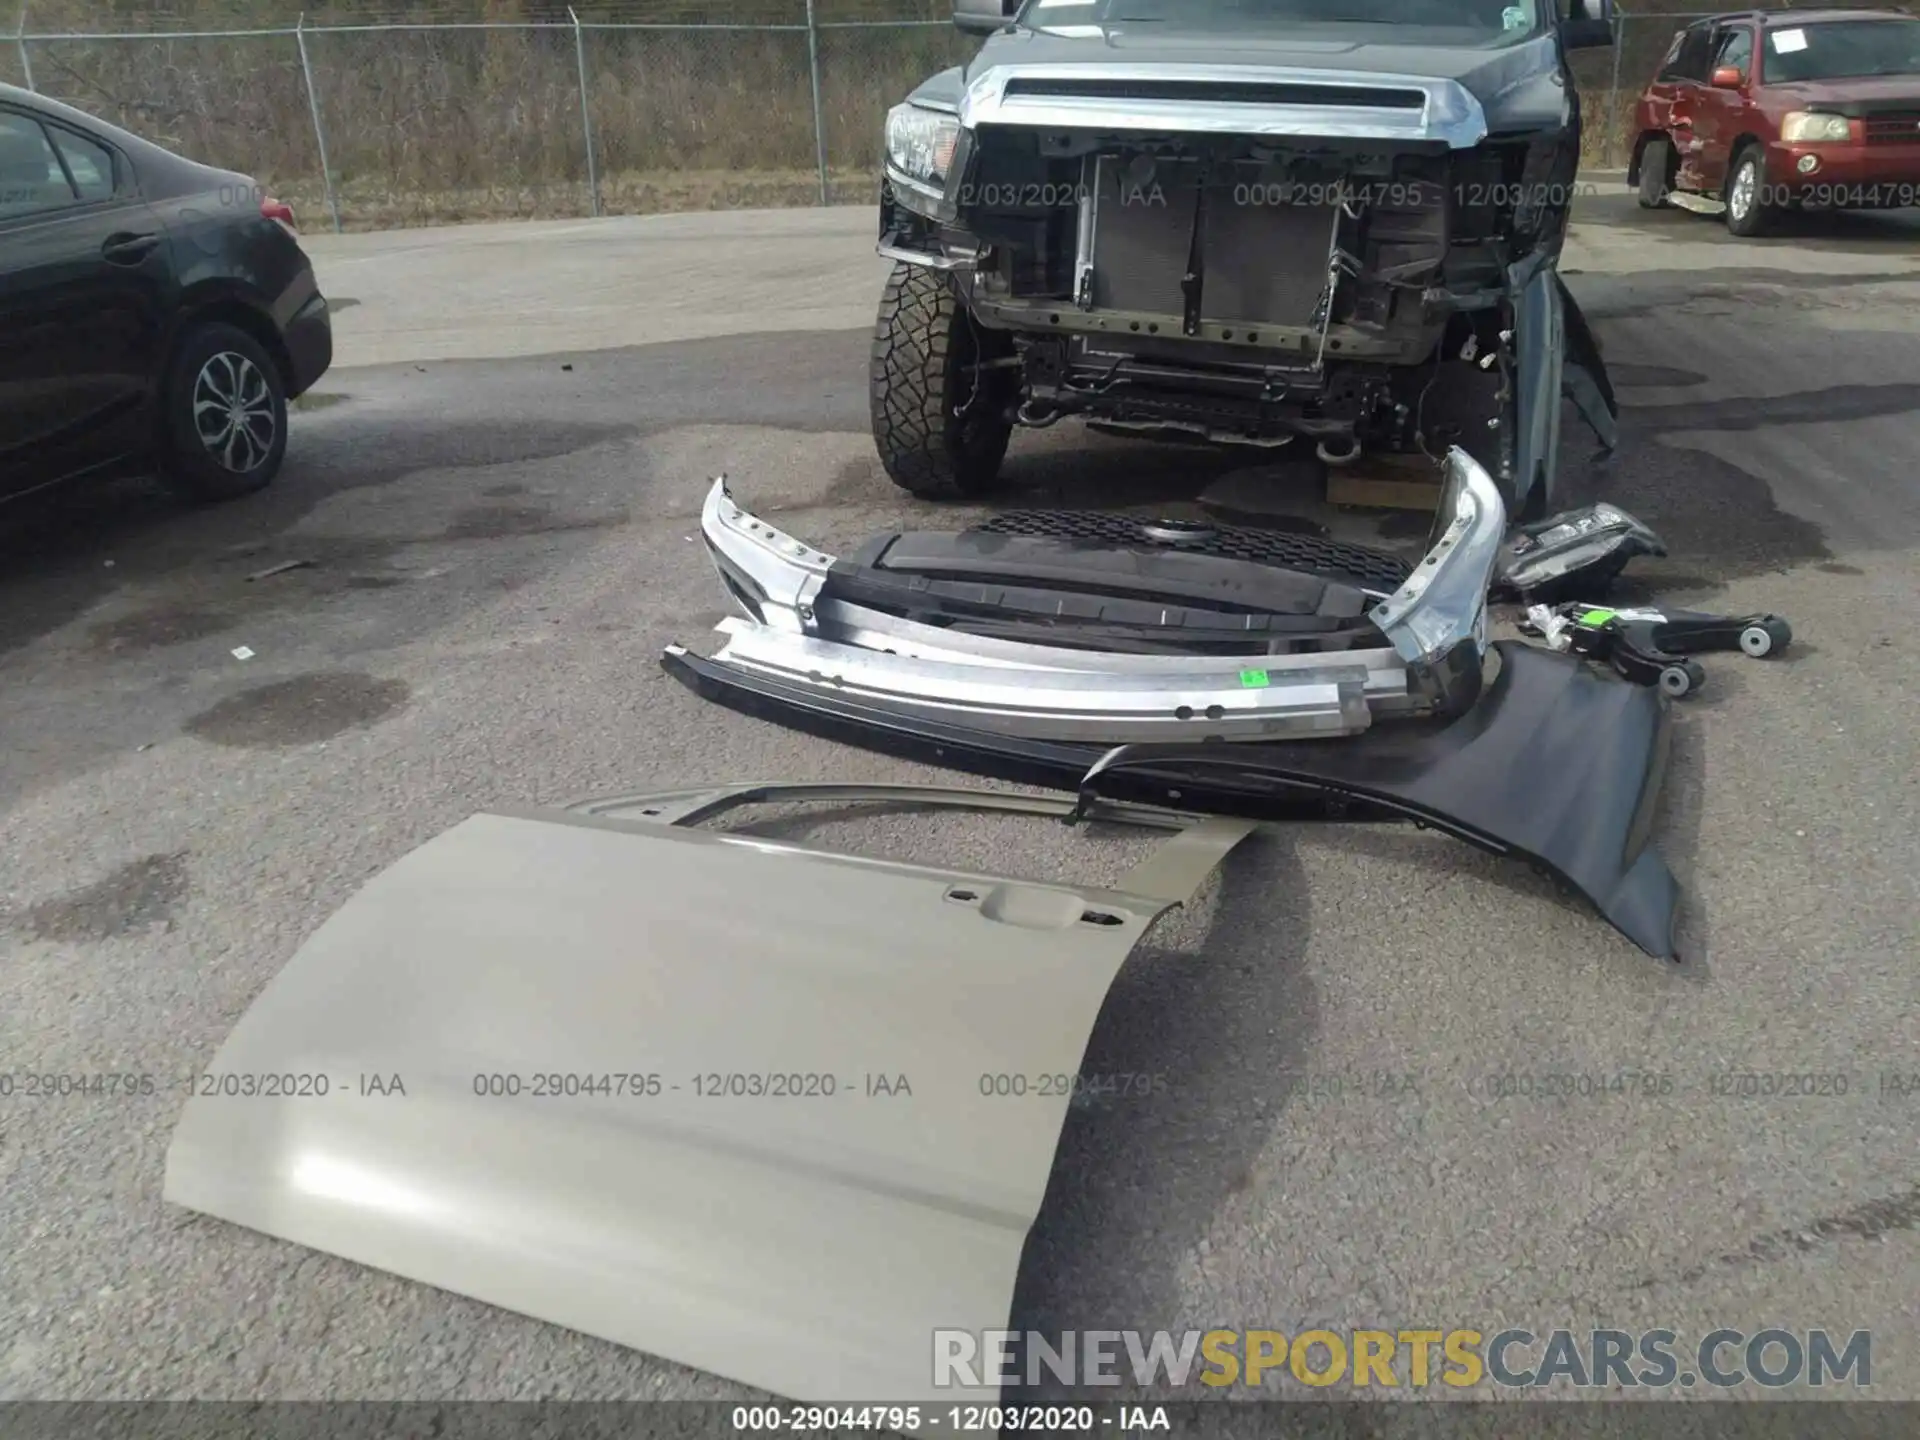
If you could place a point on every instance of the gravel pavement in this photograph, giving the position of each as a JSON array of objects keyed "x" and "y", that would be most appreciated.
[{"x": 496, "y": 494}]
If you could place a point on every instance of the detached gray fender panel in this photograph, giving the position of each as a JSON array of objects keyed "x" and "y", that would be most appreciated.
[
  {"x": 723, "y": 1098},
  {"x": 1556, "y": 357},
  {"x": 1539, "y": 343},
  {"x": 1587, "y": 383}
]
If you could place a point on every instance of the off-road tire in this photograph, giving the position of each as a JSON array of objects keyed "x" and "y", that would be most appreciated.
[
  {"x": 1656, "y": 174},
  {"x": 210, "y": 360},
  {"x": 1758, "y": 216},
  {"x": 925, "y": 347}
]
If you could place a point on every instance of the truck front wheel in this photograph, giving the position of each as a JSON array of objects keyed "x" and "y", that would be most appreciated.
[{"x": 939, "y": 419}]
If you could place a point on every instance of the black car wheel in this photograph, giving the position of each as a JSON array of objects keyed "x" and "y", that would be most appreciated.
[
  {"x": 226, "y": 415},
  {"x": 939, "y": 417},
  {"x": 1656, "y": 173}
]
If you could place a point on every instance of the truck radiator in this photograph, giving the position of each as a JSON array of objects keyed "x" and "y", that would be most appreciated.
[{"x": 1264, "y": 246}]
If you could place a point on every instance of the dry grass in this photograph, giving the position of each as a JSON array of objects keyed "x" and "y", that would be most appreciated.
[
  {"x": 428, "y": 126},
  {"x": 440, "y": 126}
]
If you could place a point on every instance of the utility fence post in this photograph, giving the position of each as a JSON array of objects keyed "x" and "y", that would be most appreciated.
[
  {"x": 586, "y": 113},
  {"x": 319, "y": 130},
  {"x": 1613, "y": 92},
  {"x": 20, "y": 41},
  {"x": 819, "y": 115}
]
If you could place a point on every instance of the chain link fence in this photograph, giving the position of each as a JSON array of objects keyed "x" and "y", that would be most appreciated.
[{"x": 409, "y": 121}]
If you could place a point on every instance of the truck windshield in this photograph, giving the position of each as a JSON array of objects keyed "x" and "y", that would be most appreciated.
[
  {"x": 1842, "y": 50},
  {"x": 1489, "y": 17}
]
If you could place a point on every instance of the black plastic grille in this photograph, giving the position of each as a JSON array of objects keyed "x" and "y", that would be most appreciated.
[
  {"x": 1332, "y": 559},
  {"x": 1899, "y": 127}
]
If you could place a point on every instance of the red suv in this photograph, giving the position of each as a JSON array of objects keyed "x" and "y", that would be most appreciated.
[{"x": 1767, "y": 110}]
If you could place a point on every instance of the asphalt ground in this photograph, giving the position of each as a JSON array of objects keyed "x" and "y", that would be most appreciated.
[{"x": 496, "y": 493}]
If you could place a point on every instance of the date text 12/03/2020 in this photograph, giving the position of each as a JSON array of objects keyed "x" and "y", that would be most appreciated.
[{"x": 248, "y": 1085}]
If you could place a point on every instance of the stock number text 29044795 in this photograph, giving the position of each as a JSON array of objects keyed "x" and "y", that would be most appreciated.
[{"x": 960, "y": 1419}]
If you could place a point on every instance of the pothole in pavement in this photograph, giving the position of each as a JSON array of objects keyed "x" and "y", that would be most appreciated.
[{"x": 302, "y": 711}]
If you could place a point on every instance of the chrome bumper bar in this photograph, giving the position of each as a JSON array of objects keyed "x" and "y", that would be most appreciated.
[{"x": 794, "y": 633}]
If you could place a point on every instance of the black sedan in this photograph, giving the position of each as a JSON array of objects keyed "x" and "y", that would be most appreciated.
[{"x": 154, "y": 312}]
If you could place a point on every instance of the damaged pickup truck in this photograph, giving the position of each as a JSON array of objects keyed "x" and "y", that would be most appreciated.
[{"x": 1252, "y": 221}]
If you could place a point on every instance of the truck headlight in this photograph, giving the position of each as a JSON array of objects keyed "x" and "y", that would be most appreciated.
[
  {"x": 1801, "y": 126},
  {"x": 1444, "y": 601},
  {"x": 920, "y": 144}
]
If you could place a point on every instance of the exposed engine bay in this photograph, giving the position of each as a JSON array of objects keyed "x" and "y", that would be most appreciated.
[
  {"x": 1249, "y": 250},
  {"x": 1256, "y": 292}
]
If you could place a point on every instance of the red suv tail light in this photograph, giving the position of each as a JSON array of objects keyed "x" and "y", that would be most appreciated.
[{"x": 279, "y": 211}]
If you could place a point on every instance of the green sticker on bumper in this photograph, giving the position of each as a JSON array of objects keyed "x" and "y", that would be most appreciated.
[{"x": 1254, "y": 679}]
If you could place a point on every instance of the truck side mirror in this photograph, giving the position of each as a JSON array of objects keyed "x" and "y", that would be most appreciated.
[
  {"x": 1588, "y": 26},
  {"x": 983, "y": 17},
  {"x": 1727, "y": 77}
]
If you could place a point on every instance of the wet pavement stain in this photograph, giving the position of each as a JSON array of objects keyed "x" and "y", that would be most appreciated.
[
  {"x": 1751, "y": 284},
  {"x": 1836, "y": 405},
  {"x": 156, "y": 627},
  {"x": 504, "y": 522},
  {"x": 1633, "y": 310},
  {"x": 432, "y": 443},
  {"x": 503, "y": 492},
  {"x": 1651, "y": 582},
  {"x": 854, "y": 483},
  {"x": 494, "y": 522},
  {"x": 302, "y": 711},
  {"x": 1722, "y": 524},
  {"x": 140, "y": 895},
  {"x": 1623, "y": 373},
  {"x": 1835, "y": 567}
]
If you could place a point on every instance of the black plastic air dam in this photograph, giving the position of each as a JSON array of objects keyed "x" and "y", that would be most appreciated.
[
  {"x": 1282, "y": 549},
  {"x": 1056, "y": 592},
  {"x": 1559, "y": 764}
]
